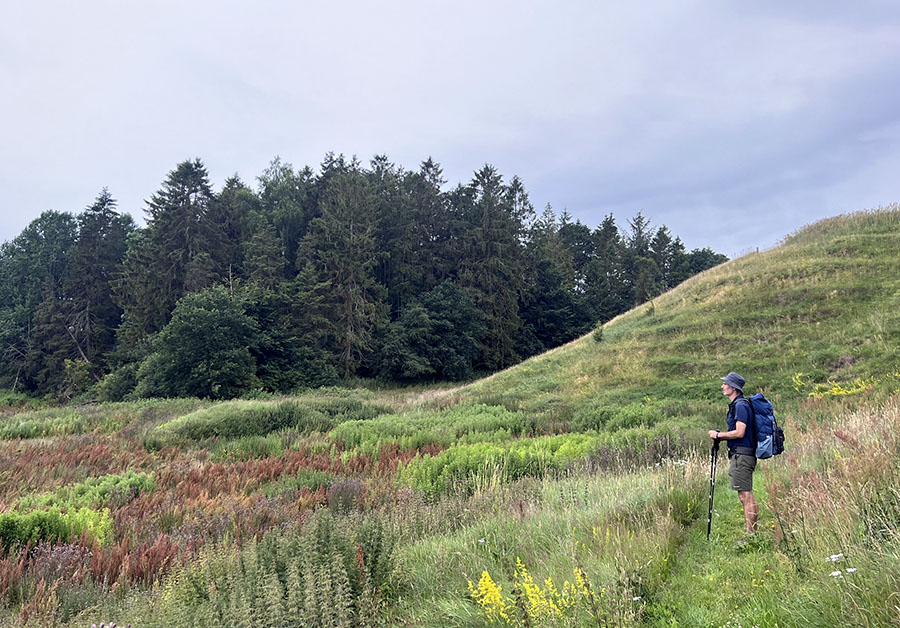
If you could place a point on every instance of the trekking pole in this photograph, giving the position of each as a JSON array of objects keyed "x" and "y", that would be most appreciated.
[{"x": 713, "y": 463}]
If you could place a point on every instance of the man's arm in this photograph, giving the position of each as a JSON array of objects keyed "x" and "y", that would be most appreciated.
[
  {"x": 742, "y": 414},
  {"x": 736, "y": 434}
]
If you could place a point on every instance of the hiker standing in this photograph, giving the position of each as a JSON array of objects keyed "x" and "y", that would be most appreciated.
[{"x": 741, "y": 445}]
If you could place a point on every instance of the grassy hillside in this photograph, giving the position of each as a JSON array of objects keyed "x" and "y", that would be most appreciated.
[
  {"x": 818, "y": 314},
  {"x": 570, "y": 490}
]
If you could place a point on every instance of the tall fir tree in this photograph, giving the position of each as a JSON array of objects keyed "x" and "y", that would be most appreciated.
[
  {"x": 396, "y": 234},
  {"x": 229, "y": 214},
  {"x": 490, "y": 268},
  {"x": 549, "y": 306},
  {"x": 606, "y": 289},
  {"x": 96, "y": 261},
  {"x": 289, "y": 200},
  {"x": 34, "y": 270},
  {"x": 432, "y": 260},
  {"x": 181, "y": 251},
  {"x": 341, "y": 245}
]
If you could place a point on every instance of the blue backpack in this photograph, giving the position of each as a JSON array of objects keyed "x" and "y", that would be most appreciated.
[{"x": 769, "y": 435}]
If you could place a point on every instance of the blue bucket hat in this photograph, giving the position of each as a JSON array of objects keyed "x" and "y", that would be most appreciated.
[{"x": 734, "y": 380}]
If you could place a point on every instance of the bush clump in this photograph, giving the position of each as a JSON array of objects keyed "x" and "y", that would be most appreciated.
[
  {"x": 19, "y": 529},
  {"x": 242, "y": 419},
  {"x": 485, "y": 464},
  {"x": 113, "y": 489},
  {"x": 43, "y": 424},
  {"x": 467, "y": 423}
]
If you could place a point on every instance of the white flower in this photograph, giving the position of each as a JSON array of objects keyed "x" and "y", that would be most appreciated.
[
  {"x": 834, "y": 558},
  {"x": 851, "y": 570},
  {"x": 481, "y": 540},
  {"x": 635, "y": 598},
  {"x": 836, "y": 574}
]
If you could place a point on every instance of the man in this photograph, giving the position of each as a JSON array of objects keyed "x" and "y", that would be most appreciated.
[{"x": 741, "y": 448}]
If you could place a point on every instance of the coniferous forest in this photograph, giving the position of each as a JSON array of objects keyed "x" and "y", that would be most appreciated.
[{"x": 313, "y": 278}]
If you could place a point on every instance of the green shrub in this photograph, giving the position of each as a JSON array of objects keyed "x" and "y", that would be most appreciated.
[
  {"x": 468, "y": 423},
  {"x": 481, "y": 464},
  {"x": 114, "y": 489},
  {"x": 43, "y": 424},
  {"x": 465, "y": 465},
  {"x": 305, "y": 478},
  {"x": 17, "y": 529},
  {"x": 116, "y": 386},
  {"x": 249, "y": 448},
  {"x": 10, "y": 399},
  {"x": 595, "y": 416}
]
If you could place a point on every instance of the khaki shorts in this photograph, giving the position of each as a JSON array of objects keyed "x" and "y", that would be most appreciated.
[{"x": 741, "y": 472}]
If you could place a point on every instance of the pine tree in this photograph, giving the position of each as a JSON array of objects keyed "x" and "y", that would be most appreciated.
[
  {"x": 431, "y": 257},
  {"x": 489, "y": 230},
  {"x": 229, "y": 215},
  {"x": 662, "y": 254},
  {"x": 606, "y": 289},
  {"x": 548, "y": 304},
  {"x": 35, "y": 307},
  {"x": 289, "y": 202},
  {"x": 180, "y": 252},
  {"x": 396, "y": 237},
  {"x": 96, "y": 261},
  {"x": 341, "y": 246},
  {"x": 263, "y": 261}
]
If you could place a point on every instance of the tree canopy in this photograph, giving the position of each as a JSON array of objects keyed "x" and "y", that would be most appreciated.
[{"x": 372, "y": 271}]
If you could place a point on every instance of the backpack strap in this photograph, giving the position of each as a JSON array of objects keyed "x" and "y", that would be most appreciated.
[{"x": 752, "y": 414}]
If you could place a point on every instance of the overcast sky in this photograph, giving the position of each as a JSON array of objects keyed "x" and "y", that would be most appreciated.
[{"x": 734, "y": 123}]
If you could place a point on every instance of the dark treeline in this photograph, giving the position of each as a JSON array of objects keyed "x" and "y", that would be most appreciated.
[{"x": 312, "y": 278}]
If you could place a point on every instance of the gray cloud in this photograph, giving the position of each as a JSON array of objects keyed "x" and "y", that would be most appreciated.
[{"x": 733, "y": 123}]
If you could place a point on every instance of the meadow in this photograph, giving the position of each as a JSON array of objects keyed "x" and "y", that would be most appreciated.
[{"x": 569, "y": 490}]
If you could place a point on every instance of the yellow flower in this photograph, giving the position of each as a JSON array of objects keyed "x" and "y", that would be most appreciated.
[{"x": 489, "y": 596}]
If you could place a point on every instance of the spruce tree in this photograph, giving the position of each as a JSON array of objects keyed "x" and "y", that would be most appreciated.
[
  {"x": 289, "y": 202},
  {"x": 489, "y": 229},
  {"x": 96, "y": 263},
  {"x": 341, "y": 246},
  {"x": 181, "y": 251}
]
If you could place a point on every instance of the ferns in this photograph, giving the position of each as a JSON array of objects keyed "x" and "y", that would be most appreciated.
[{"x": 322, "y": 574}]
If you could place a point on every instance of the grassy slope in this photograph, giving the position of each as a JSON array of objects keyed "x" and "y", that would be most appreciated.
[
  {"x": 824, "y": 306},
  {"x": 818, "y": 315}
]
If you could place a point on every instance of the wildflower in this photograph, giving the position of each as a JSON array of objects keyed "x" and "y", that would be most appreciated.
[
  {"x": 836, "y": 574},
  {"x": 834, "y": 558},
  {"x": 636, "y": 598},
  {"x": 851, "y": 570},
  {"x": 481, "y": 540},
  {"x": 489, "y": 595}
]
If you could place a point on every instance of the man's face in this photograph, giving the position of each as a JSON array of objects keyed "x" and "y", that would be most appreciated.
[{"x": 727, "y": 390}]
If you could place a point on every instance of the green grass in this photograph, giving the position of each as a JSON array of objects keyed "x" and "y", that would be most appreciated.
[
  {"x": 825, "y": 304},
  {"x": 620, "y": 529}
]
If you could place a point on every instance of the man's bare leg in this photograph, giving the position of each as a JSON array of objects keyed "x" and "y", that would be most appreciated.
[{"x": 751, "y": 512}]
